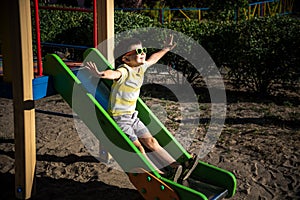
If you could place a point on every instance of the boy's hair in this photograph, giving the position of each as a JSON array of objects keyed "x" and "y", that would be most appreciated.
[{"x": 123, "y": 47}]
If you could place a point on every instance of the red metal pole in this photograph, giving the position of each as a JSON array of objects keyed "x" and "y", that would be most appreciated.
[
  {"x": 38, "y": 38},
  {"x": 95, "y": 27}
]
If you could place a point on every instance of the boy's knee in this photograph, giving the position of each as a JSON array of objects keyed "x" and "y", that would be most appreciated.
[{"x": 152, "y": 144}]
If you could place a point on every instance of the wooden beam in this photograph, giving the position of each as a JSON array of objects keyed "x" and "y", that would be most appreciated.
[
  {"x": 105, "y": 26},
  {"x": 18, "y": 54}
]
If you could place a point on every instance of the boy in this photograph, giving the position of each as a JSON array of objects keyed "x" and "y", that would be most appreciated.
[{"x": 128, "y": 79}]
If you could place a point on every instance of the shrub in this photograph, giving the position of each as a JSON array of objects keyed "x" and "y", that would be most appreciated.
[
  {"x": 127, "y": 20},
  {"x": 225, "y": 10},
  {"x": 76, "y": 28},
  {"x": 259, "y": 53},
  {"x": 265, "y": 53}
]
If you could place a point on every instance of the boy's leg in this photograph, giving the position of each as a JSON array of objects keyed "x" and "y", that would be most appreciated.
[
  {"x": 142, "y": 150},
  {"x": 162, "y": 156},
  {"x": 125, "y": 123},
  {"x": 172, "y": 169},
  {"x": 158, "y": 153}
]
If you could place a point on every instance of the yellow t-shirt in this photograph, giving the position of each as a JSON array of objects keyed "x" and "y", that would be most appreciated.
[{"x": 126, "y": 90}]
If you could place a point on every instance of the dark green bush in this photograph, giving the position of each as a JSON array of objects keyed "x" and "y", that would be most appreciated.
[
  {"x": 259, "y": 53},
  {"x": 127, "y": 20},
  {"x": 66, "y": 27},
  {"x": 226, "y": 9},
  {"x": 76, "y": 28},
  {"x": 265, "y": 53}
]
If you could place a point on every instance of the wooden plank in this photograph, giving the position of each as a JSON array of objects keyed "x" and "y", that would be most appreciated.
[
  {"x": 18, "y": 53},
  {"x": 151, "y": 187},
  {"x": 105, "y": 31},
  {"x": 105, "y": 13}
]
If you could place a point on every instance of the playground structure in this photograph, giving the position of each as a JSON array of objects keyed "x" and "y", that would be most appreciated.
[
  {"x": 256, "y": 9},
  {"x": 269, "y": 8},
  {"x": 19, "y": 83},
  {"x": 211, "y": 182}
]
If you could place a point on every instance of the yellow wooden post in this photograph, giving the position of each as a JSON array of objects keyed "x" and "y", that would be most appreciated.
[
  {"x": 254, "y": 10},
  {"x": 249, "y": 10},
  {"x": 105, "y": 13},
  {"x": 186, "y": 16},
  {"x": 17, "y": 51}
]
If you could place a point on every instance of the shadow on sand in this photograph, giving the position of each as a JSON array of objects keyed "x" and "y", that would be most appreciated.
[{"x": 49, "y": 188}]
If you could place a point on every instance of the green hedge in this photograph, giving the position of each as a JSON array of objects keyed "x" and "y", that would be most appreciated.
[
  {"x": 77, "y": 27},
  {"x": 258, "y": 53},
  {"x": 265, "y": 53},
  {"x": 66, "y": 27}
]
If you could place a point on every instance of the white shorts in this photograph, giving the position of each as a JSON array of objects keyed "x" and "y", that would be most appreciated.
[{"x": 131, "y": 126}]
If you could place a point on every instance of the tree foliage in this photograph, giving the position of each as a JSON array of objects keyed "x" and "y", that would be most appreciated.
[{"x": 258, "y": 53}]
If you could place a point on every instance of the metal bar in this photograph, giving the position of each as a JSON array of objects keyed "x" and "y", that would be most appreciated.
[
  {"x": 95, "y": 21},
  {"x": 38, "y": 39},
  {"x": 64, "y": 45}
]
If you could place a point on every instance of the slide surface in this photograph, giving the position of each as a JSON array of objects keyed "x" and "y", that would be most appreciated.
[{"x": 88, "y": 98}]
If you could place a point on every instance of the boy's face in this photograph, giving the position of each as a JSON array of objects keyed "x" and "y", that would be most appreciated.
[{"x": 132, "y": 58}]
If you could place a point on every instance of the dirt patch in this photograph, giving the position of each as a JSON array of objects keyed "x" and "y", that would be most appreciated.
[{"x": 259, "y": 143}]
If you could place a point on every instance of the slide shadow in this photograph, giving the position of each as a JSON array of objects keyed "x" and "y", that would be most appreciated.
[{"x": 49, "y": 189}]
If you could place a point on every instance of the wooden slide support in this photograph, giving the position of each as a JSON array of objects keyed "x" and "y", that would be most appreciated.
[{"x": 151, "y": 187}]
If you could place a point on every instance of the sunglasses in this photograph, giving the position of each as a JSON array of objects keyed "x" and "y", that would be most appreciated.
[{"x": 137, "y": 51}]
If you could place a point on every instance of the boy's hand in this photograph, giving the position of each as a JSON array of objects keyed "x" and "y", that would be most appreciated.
[
  {"x": 93, "y": 69},
  {"x": 107, "y": 74},
  {"x": 168, "y": 46},
  {"x": 168, "y": 43}
]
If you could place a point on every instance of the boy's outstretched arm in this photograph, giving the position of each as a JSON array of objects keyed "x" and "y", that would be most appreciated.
[
  {"x": 107, "y": 74},
  {"x": 168, "y": 46}
]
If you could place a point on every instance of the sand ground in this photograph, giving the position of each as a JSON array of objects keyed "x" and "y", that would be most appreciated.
[{"x": 259, "y": 143}]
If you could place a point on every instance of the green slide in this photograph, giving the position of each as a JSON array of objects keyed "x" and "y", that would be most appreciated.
[{"x": 88, "y": 98}]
